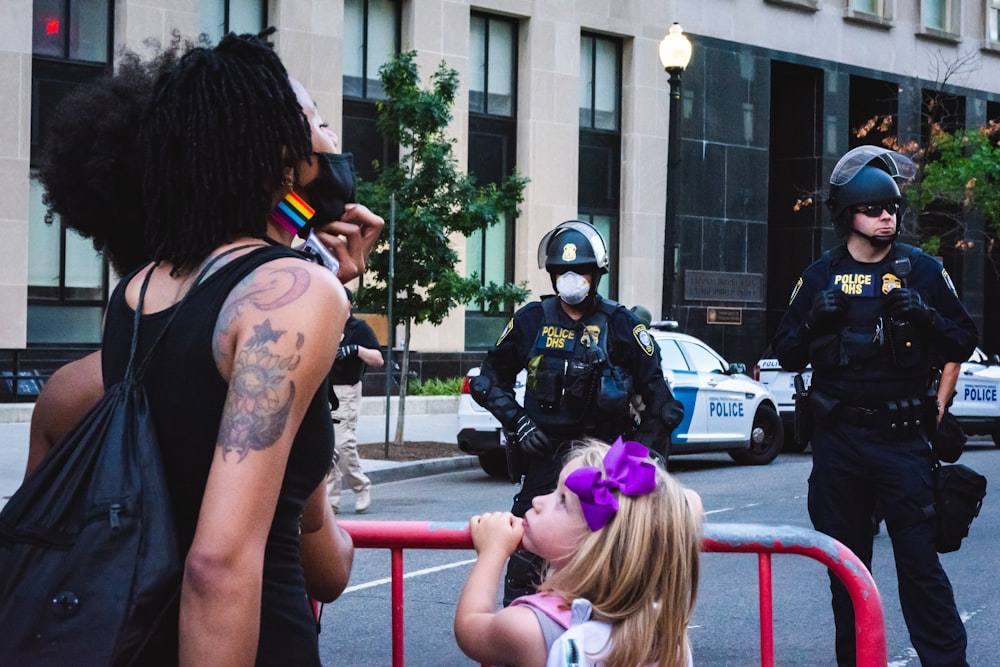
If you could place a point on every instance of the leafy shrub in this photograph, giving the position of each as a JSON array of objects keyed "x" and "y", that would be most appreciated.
[{"x": 436, "y": 387}]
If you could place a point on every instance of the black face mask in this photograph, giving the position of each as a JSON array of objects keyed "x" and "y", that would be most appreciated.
[{"x": 330, "y": 190}]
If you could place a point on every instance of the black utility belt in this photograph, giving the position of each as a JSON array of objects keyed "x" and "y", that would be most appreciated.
[{"x": 901, "y": 414}]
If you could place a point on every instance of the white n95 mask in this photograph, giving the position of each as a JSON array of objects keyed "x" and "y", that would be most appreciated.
[{"x": 572, "y": 287}]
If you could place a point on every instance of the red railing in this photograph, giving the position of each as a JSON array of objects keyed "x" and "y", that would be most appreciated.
[{"x": 869, "y": 626}]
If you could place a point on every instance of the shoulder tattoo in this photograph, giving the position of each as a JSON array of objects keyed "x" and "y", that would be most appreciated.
[
  {"x": 259, "y": 400},
  {"x": 265, "y": 289}
]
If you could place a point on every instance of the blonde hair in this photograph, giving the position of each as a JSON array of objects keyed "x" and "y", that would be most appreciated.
[{"x": 640, "y": 572}]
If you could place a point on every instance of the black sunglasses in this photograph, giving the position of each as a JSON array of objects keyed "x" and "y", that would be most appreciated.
[{"x": 875, "y": 210}]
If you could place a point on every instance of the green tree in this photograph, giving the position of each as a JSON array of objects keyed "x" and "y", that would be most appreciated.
[
  {"x": 434, "y": 205},
  {"x": 959, "y": 175}
]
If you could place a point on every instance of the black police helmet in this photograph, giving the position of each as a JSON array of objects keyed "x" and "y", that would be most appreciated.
[
  {"x": 573, "y": 243},
  {"x": 870, "y": 185}
]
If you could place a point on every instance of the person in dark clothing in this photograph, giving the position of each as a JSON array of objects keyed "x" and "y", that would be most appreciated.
[
  {"x": 586, "y": 356},
  {"x": 358, "y": 349},
  {"x": 871, "y": 316},
  {"x": 237, "y": 386}
]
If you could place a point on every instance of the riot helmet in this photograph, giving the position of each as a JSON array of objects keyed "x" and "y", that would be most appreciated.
[
  {"x": 573, "y": 243},
  {"x": 867, "y": 175}
]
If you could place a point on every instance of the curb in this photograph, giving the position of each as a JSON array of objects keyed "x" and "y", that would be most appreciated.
[{"x": 415, "y": 469}]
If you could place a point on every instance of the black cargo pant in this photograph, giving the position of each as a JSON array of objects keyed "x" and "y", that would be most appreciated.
[{"x": 858, "y": 470}]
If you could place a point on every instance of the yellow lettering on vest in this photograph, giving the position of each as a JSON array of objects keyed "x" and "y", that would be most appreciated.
[
  {"x": 553, "y": 342},
  {"x": 551, "y": 331},
  {"x": 852, "y": 279}
]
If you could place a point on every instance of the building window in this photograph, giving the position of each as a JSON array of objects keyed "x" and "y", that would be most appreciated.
[
  {"x": 67, "y": 278},
  {"x": 872, "y": 7},
  {"x": 220, "y": 17},
  {"x": 492, "y": 136},
  {"x": 600, "y": 83},
  {"x": 939, "y": 17},
  {"x": 993, "y": 20},
  {"x": 493, "y": 65},
  {"x": 600, "y": 148},
  {"x": 371, "y": 38},
  {"x": 71, "y": 30}
]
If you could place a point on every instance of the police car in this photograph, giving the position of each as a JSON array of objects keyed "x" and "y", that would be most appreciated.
[
  {"x": 724, "y": 410},
  {"x": 976, "y": 404}
]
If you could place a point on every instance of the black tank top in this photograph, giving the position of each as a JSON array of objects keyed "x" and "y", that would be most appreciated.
[{"x": 186, "y": 395}]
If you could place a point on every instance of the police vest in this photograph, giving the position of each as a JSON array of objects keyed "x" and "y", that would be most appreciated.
[
  {"x": 870, "y": 344},
  {"x": 573, "y": 388}
]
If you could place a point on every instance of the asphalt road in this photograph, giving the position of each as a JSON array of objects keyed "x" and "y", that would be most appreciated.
[{"x": 356, "y": 628}]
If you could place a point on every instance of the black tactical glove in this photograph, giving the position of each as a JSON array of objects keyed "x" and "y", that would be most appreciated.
[
  {"x": 531, "y": 438},
  {"x": 347, "y": 351},
  {"x": 827, "y": 309},
  {"x": 673, "y": 414},
  {"x": 906, "y": 304}
]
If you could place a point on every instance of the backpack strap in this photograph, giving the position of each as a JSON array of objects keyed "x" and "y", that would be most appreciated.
[
  {"x": 552, "y": 606},
  {"x": 131, "y": 374}
]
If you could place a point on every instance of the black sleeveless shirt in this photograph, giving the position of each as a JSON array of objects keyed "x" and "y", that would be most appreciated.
[{"x": 186, "y": 395}]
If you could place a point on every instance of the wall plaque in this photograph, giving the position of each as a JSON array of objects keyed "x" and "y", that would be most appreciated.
[
  {"x": 724, "y": 315},
  {"x": 723, "y": 286}
]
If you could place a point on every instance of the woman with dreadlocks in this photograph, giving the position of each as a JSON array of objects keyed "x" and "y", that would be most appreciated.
[{"x": 235, "y": 383}]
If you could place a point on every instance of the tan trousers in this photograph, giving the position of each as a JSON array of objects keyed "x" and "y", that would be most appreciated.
[{"x": 346, "y": 433}]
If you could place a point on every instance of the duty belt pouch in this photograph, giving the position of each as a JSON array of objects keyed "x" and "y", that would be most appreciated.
[
  {"x": 548, "y": 387},
  {"x": 803, "y": 424},
  {"x": 958, "y": 497},
  {"x": 905, "y": 344},
  {"x": 821, "y": 406},
  {"x": 614, "y": 392},
  {"x": 578, "y": 386}
]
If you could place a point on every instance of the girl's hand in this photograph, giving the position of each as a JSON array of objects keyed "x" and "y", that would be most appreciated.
[
  {"x": 496, "y": 532},
  {"x": 351, "y": 239}
]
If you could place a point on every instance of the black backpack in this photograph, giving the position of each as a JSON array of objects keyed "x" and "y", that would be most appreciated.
[{"x": 90, "y": 568}]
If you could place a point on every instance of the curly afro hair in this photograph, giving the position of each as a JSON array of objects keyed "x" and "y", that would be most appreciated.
[{"x": 90, "y": 164}]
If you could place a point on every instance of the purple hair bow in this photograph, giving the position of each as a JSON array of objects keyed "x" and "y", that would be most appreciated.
[{"x": 629, "y": 471}]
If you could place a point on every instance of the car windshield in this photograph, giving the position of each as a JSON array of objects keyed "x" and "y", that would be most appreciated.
[{"x": 701, "y": 358}]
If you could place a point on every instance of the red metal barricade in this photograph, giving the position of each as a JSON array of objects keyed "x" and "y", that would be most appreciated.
[{"x": 869, "y": 628}]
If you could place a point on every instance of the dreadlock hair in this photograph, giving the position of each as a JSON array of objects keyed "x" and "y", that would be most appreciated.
[
  {"x": 90, "y": 167},
  {"x": 223, "y": 129},
  {"x": 639, "y": 572}
]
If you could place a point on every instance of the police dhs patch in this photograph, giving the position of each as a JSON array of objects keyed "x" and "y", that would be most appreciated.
[{"x": 644, "y": 339}]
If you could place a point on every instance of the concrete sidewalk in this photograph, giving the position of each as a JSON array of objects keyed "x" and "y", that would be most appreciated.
[{"x": 427, "y": 419}]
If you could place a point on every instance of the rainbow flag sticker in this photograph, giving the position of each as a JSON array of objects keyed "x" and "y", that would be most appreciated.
[{"x": 292, "y": 213}]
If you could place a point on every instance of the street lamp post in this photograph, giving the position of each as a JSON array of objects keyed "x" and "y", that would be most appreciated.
[{"x": 675, "y": 54}]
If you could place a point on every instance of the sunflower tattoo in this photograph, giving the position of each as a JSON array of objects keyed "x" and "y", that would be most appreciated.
[{"x": 255, "y": 414}]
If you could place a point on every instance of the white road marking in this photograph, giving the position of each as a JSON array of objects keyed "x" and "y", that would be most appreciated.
[{"x": 408, "y": 575}]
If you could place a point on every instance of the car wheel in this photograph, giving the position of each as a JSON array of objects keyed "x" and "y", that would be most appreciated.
[
  {"x": 790, "y": 445},
  {"x": 766, "y": 438},
  {"x": 494, "y": 463}
]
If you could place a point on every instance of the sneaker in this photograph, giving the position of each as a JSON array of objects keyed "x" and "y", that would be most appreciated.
[{"x": 363, "y": 502}]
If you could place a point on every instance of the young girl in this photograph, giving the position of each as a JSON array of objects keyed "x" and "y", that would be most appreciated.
[{"x": 622, "y": 540}]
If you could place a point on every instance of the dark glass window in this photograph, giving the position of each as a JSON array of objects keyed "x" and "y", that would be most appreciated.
[
  {"x": 371, "y": 39},
  {"x": 600, "y": 149},
  {"x": 71, "y": 30},
  {"x": 220, "y": 17},
  {"x": 67, "y": 278},
  {"x": 492, "y": 135}
]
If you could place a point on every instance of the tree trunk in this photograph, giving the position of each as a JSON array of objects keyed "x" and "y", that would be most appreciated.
[{"x": 404, "y": 377}]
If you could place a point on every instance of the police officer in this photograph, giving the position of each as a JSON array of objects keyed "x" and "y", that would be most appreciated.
[
  {"x": 870, "y": 315},
  {"x": 586, "y": 356}
]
